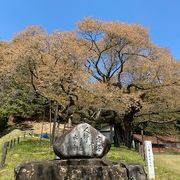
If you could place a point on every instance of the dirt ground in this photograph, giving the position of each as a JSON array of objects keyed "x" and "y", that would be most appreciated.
[{"x": 45, "y": 127}]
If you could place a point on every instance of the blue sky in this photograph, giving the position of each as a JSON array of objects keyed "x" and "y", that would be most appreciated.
[{"x": 161, "y": 17}]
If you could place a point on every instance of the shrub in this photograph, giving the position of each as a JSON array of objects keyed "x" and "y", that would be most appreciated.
[{"x": 3, "y": 122}]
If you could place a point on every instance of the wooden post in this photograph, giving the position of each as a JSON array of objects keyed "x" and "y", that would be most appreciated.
[
  {"x": 4, "y": 153},
  {"x": 142, "y": 136},
  {"x": 11, "y": 144},
  {"x": 58, "y": 128},
  {"x": 149, "y": 159},
  {"x": 54, "y": 123},
  {"x": 157, "y": 142},
  {"x": 50, "y": 120},
  {"x": 8, "y": 144},
  {"x": 111, "y": 133},
  {"x": 139, "y": 147},
  {"x": 42, "y": 126}
]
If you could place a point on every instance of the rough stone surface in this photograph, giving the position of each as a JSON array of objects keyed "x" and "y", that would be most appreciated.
[
  {"x": 80, "y": 151},
  {"x": 83, "y": 141},
  {"x": 135, "y": 171},
  {"x": 72, "y": 169}
]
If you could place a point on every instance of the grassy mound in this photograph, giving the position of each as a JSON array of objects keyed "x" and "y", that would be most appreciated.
[
  {"x": 166, "y": 166},
  {"x": 13, "y": 134},
  {"x": 124, "y": 154},
  {"x": 27, "y": 150}
]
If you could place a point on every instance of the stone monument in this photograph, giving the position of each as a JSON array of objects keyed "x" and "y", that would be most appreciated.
[
  {"x": 80, "y": 153},
  {"x": 83, "y": 141}
]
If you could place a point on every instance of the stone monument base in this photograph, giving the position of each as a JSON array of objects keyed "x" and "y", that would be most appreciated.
[
  {"x": 72, "y": 169},
  {"x": 76, "y": 169}
]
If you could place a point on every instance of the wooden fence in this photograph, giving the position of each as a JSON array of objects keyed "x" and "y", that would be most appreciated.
[{"x": 9, "y": 145}]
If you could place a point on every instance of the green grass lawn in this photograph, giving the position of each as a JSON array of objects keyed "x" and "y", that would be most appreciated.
[
  {"x": 28, "y": 149},
  {"x": 167, "y": 166},
  {"x": 124, "y": 154},
  {"x": 13, "y": 134}
]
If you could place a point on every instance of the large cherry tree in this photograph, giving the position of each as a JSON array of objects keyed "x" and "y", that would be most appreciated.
[{"x": 103, "y": 72}]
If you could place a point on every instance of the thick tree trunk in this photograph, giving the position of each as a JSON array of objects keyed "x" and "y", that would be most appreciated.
[
  {"x": 118, "y": 135},
  {"x": 122, "y": 136},
  {"x": 128, "y": 137},
  {"x": 124, "y": 131}
]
